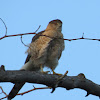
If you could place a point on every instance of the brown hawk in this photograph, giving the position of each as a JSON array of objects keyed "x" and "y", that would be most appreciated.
[{"x": 44, "y": 51}]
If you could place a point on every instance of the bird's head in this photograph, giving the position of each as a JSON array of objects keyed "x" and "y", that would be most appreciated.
[{"x": 55, "y": 25}]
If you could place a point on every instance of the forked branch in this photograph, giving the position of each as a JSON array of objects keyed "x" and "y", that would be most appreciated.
[{"x": 67, "y": 82}]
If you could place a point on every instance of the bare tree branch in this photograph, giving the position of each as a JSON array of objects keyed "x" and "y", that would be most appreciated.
[
  {"x": 41, "y": 35},
  {"x": 47, "y": 36},
  {"x": 68, "y": 82},
  {"x": 28, "y": 91}
]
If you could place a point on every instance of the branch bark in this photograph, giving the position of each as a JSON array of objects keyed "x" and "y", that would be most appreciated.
[{"x": 68, "y": 82}]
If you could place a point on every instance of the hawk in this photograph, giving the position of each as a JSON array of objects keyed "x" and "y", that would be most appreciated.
[{"x": 44, "y": 51}]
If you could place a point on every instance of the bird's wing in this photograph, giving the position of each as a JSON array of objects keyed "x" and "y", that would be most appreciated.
[
  {"x": 33, "y": 40},
  {"x": 37, "y": 36},
  {"x": 52, "y": 44},
  {"x": 28, "y": 58}
]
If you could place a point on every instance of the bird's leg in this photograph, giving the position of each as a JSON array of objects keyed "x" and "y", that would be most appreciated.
[
  {"x": 55, "y": 72},
  {"x": 44, "y": 72},
  {"x": 41, "y": 68}
]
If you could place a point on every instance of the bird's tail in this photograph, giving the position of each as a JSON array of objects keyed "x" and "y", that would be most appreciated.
[
  {"x": 18, "y": 86},
  {"x": 15, "y": 90}
]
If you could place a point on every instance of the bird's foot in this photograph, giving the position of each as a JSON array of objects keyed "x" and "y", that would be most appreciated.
[
  {"x": 44, "y": 72},
  {"x": 55, "y": 73}
]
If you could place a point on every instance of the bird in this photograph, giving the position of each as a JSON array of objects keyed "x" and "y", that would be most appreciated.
[{"x": 45, "y": 50}]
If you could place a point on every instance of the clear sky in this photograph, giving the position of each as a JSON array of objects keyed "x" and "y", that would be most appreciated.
[{"x": 81, "y": 56}]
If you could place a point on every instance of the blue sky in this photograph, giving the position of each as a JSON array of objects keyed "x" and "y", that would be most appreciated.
[{"x": 81, "y": 56}]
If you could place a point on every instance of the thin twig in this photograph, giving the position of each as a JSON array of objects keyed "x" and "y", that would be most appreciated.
[
  {"x": 22, "y": 35},
  {"x": 38, "y": 28},
  {"x": 3, "y": 91},
  {"x": 58, "y": 81},
  {"x": 83, "y": 35},
  {"x": 23, "y": 42},
  {"x": 3, "y": 98},
  {"x": 60, "y": 78},
  {"x": 5, "y": 26},
  {"x": 33, "y": 90},
  {"x": 15, "y": 35}
]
